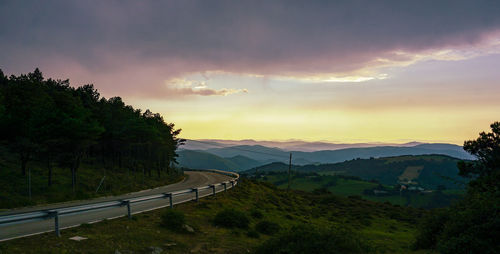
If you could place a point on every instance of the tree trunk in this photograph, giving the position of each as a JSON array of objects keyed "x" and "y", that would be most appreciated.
[
  {"x": 149, "y": 161},
  {"x": 103, "y": 157},
  {"x": 24, "y": 162},
  {"x": 158, "y": 168},
  {"x": 74, "y": 167},
  {"x": 168, "y": 166},
  {"x": 73, "y": 178},
  {"x": 23, "y": 166},
  {"x": 49, "y": 167},
  {"x": 120, "y": 160}
]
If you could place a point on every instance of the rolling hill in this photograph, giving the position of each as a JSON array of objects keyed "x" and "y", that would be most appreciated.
[
  {"x": 243, "y": 157},
  {"x": 203, "y": 160},
  {"x": 269, "y": 154},
  {"x": 427, "y": 171},
  {"x": 369, "y": 190}
]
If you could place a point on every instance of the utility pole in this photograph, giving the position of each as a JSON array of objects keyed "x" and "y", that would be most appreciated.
[{"x": 289, "y": 169}]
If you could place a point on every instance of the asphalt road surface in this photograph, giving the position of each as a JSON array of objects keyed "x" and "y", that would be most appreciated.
[{"x": 193, "y": 180}]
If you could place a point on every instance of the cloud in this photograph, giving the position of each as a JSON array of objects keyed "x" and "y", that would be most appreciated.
[
  {"x": 313, "y": 40},
  {"x": 181, "y": 87}
]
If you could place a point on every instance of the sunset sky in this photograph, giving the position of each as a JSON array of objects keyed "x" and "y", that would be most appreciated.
[{"x": 338, "y": 71}]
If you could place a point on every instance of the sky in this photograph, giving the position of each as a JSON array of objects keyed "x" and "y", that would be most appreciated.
[{"x": 338, "y": 71}]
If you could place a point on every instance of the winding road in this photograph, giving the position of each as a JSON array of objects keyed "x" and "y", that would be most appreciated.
[{"x": 193, "y": 180}]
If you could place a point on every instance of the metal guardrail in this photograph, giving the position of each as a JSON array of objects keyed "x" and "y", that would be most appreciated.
[{"x": 56, "y": 213}]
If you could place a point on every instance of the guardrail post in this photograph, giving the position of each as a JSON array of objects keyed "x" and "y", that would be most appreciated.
[
  {"x": 225, "y": 186},
  {"x": 232, "y": 183},
  {"x": 213, "y": 189},
  {"x": 197, "y": 194},
  {"x": 170, "y": 200},
  {"x": 55, "y": 214},
  {"x": 127, "y": 203}
]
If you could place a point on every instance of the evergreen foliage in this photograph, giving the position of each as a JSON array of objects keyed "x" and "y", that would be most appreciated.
[
  {"x": 51, "y": 122},
  {"x": 473, "y": 224}
]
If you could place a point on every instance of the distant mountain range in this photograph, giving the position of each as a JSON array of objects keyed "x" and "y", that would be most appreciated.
[
  {"x": 293, "y": 145},
  {"x": 224, "y": 156},
  {"x": 204, "y": 160}
]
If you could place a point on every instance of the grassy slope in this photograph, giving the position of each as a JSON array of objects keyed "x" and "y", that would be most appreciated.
[
  {"x": 434, "y": 169},
  {"x": 389, "y": 229},
  {"x": 14, "y": 191},
  {"x": 350, "y": 187},
  {"x": 344, "y": 187}
]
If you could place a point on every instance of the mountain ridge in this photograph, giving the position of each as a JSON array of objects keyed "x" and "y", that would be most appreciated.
[
  {"x": 256, "y": 155},
  {"x": 290, "y": 145}
]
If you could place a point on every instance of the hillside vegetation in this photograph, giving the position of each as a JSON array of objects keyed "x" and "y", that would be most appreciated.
[
  {"x": 471, "y": 225},
  {"x": 369, "y": 190},
  {"x": 54, "y": 130},
  {"x": 14, "y": 186},
  {"x": 426, "y": 171},
  {"x": 244, "y": 157},
  {"x": 253, "y": 217}
]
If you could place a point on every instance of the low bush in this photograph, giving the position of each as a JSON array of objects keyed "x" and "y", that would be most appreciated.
[
  {"x": 253, "y": 234},
  {"x": 231, "y": 218},
  {"x": 321, "y": 191},
  {"x": 267, "y": 227},
  {"x": 257, "y": 214},
  {"x": 470, "y": 226},
  {"x": 173, "y": 220},
  {"x": 430, "y": 227},
  {"x": 309, "y": 239},
  {"x": 356, "y": 197}
]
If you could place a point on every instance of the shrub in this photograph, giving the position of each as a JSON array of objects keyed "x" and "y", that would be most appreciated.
[
  {"x": 231, "y": 218},
  {"x": 309, "y": 239},
  {"x": 470, "y": 226},
  {"x": 321, "y": 191},
  {"x": 267, "y": 227},
  {"x": 356, "y": 197},
  {"x": 430, "y": 228},
  {"x": 257, "y": 214},
  {"x": 253, "y": 234},
  {"x": 473, "y": 226},
  {"x": 332, "y": 200},
  {"x": 173, "y": 219}
]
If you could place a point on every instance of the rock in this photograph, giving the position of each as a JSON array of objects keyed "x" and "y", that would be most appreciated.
[
  {"x": 78, "y": 238},
  {"x": 117, "y": 252},
  {"x": 168, "y": 245},
  {"x": 188, "y": 228},
  {"x": 155, "y": 250}
]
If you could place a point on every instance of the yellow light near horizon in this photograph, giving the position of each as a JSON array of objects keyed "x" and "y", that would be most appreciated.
[{"x": 339, "y": 126}]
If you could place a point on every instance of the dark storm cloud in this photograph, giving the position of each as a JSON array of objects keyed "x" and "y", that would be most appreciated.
[{"x": 256, "y": 37}]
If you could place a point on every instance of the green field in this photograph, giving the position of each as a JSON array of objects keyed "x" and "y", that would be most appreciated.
[
  {"x": 403, "y": 158},
  {"x": 350, "y": 186},
  {"x": 385, "y": 228},
  {"x": 411, "y": 173},
  {"x": 428, "y": 171},
  {"x": 344, "y": 187}
]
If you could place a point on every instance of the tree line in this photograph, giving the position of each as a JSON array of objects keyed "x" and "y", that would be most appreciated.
[
  {"x": 56, "y": 124},
  {"x": 472, "y": 225}
]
